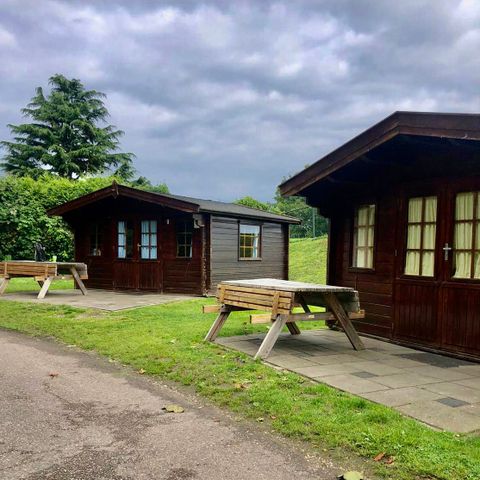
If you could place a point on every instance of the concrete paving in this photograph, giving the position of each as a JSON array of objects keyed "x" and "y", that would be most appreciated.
[
  {"x": 70, "y": 415},
  {"x": 440, "y": 391},
  {"x": 101, "y": 299}
]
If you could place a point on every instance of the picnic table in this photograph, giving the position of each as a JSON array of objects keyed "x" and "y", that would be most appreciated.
[
  {"x": 279, "y": 298},
  {"x": 44, "y": 273}
]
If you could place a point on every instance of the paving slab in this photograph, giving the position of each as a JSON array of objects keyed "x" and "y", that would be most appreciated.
[
  {"x": 442, "y": 416},
  {"x": 100, "y": 299},
  {"x": 400, "y": 377},
  {"x": 401, "y": 396}
]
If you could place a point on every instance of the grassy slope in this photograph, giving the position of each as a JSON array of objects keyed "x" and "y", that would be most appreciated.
[
  {"x": 166, "y": 340},
  {"x": 308, "y": 259}
]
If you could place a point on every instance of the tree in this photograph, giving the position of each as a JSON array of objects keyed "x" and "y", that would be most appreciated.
[
  {"x": 69, "y": 135},
  {"x": 254, "y": 203}
]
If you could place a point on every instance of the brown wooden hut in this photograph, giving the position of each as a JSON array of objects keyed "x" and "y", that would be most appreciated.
[
  {"x": 403, "y": 199},
  {"x": 133, "y": 239}
]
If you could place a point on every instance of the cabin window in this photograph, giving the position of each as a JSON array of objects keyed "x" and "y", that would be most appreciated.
[
  {"x": 249, "y": 242},
  {"x": 148, "y": 240},
  {"x": 363, "y": 236},
  {"x": 421, "y": 234},
  {"x": 466, "y": 243},
  {"x": 184, "y": 239},
  {"x": 96, "y": 239},
  {"x": 125, "y": 239}
]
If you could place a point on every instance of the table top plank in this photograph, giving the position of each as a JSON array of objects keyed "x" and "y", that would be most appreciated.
[{"x": 287, "y": 285}]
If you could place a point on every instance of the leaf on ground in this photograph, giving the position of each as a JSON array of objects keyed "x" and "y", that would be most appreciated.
[
  {"x": 260, "y": 419},
  {"x": 390, "y": 460},
  {"x": 379, "y": 456},
  {"x": 141, "y": 371},
  {"x": 173, "y": 408},
  {"x": 352, "y": 475},
  {"x": 53, "y": 374}
]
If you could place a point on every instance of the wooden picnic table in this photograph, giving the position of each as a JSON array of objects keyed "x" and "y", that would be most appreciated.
[
  {"x": 44, "y": 273},
  {"x": 279, "y": 298}
]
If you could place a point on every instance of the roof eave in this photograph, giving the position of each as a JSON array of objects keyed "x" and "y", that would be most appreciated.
[
  {"x": 280, "y": 219},
  {"x": 466, "y": 127}
]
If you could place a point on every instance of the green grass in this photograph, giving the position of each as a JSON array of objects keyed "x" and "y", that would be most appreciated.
[
  {"x": 308, "y": 259},
  {"x": 166, "y": 341},
  {"x": 29, "y": 284}
]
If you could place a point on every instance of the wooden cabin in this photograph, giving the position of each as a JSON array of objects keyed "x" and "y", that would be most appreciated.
[
  {"x": 403, "y": 199},
  {"x": 137, "y": 240}
]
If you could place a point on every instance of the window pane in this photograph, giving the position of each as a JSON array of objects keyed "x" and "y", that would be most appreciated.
[
  {"x": 249, "y": 241},
  {"x": 361, "y": 237},
  {"x": 428, "y": 262},
  {"x": 121, "y": 252},
  {"x": 362, "y": 216},
  {"x": 145, "y": 226},
  {"x": 361, "y": 258},
  {"x": 121, "y": 227},
  {"x": 412, "y": 264},
  {"x": 429, "y": 232},
  {"x": 477, "y": 240},
  {"x": 463, "y": 236},
  {"x": 430, "y": 209},
  {"x": 414, "y": 236},
  {"x": 464, "y": 206},
  {"x": 145, "y": 253},
  {"x": 153, "y": 226},
  {"x": 477, "y": 266},
  {"x": 153, "y": 253},
  {"x": 415, "y": 210},
  {"x": 463, "y": 265}
]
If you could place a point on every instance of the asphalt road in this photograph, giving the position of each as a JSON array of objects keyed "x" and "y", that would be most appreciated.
[{"x": 98, "y": 420}]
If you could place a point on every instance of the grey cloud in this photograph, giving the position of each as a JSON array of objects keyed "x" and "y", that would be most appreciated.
[{"x": 222, "y": 99}]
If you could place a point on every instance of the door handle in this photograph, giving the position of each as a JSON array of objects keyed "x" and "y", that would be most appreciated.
[{"x": 446, "y": 250}]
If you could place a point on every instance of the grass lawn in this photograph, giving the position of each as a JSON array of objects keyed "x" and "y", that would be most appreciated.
[
  {"x": 308, "y": 259},
  {"x": 29, "y": 284},
  {"x": 166, "y": 341}
]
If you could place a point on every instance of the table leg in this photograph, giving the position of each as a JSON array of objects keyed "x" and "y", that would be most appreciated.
[
  {"x": 271, "y": 337},
  {"x": 218, "y": 324},
  {"x": 3, "y": 284},
  {"x": 45, "y": 287},
  {"x": 293, "y": 328},
  {"x": 78, "y": 280},
  {"x": 342, "y": 317}
]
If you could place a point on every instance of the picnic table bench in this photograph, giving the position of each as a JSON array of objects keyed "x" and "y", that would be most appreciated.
[
  {"x": 279, "y": 298},
  {"x": 43, "y": 272}
]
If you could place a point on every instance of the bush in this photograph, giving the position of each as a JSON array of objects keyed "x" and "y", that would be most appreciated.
[{"x": 23, "y": 214}]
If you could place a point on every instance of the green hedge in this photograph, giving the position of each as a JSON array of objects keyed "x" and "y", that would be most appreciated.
[{"x": 23, "y": 218}]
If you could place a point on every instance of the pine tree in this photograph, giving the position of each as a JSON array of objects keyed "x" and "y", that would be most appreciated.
[{"x": 69, "y": 135}]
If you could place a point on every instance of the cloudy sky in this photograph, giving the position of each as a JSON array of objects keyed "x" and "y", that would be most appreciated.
[{"x": 223, "y": 99}]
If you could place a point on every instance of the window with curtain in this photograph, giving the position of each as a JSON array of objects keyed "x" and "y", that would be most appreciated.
[
  {"x": 249, "y": 242},
  {"x": 466, "y": 243},
  {"x": 125, "y": 239},
  {"x": 148, "y": 240},
  {"x": 96, "y": 239},
  {"x": 363, "y": 236},
  {"x": 421, "y": 234},
  {"x": 184, "y": 239}
]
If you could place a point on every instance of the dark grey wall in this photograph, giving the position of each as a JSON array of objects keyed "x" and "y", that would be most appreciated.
[{"x": 225, "y": 264}]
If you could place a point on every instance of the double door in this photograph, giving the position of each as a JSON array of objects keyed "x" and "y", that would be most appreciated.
[
  {"x": 437, "y": 281},
  {"x": 137, "y": 263}
]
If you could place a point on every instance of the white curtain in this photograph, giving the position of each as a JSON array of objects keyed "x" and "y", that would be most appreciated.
[
  {"x": 463, "y": 237},
  {"x": 421, "y": 236},
  {"x": 121, "y": 240},
  {"x": 364, "y": 239}
]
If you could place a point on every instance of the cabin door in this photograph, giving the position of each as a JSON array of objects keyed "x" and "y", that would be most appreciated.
[
  {"x": 437, "y": 286},
  {"x": 138, "y": 264},
  {"x": 419, "y": 267}
]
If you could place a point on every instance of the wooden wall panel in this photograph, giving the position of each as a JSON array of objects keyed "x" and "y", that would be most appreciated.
[{"x": 225, "y": 264}]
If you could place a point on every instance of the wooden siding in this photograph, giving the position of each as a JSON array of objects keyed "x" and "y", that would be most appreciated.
[{"x": 224, "y": 255}]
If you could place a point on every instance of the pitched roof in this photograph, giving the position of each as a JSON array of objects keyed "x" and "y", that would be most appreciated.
[
  {"x": 447, "y": 125},
  {"x": 177, "y": 202}
]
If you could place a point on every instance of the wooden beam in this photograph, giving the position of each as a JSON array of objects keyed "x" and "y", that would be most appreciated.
[
  {"x": 218, "y": 324},
  {"x": 271, "y": 337},
  {"x": 304, "y": 317},
  {"x": 78, "y": 280},
  {"x": 3, "y": 284},
  {"x": 293, "y": 328},
  {"x": 344, "y": 320},
  {"x": 211, "y": 308},
  {"x": 46, "y": 285}
]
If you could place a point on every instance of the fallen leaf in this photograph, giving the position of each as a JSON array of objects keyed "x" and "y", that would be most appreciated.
[
  {"x": 273, "y": 417},
  {"x": 352, "y": 475},
  {"x": 379, "y": 456},
  {"x": 53, "y": 374},
  {"x": 260, "y": 419},
  {"x": 173, "y": 408},
  {"x": 390, "y": 460},
  {"x": 141, "y": 371}
]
